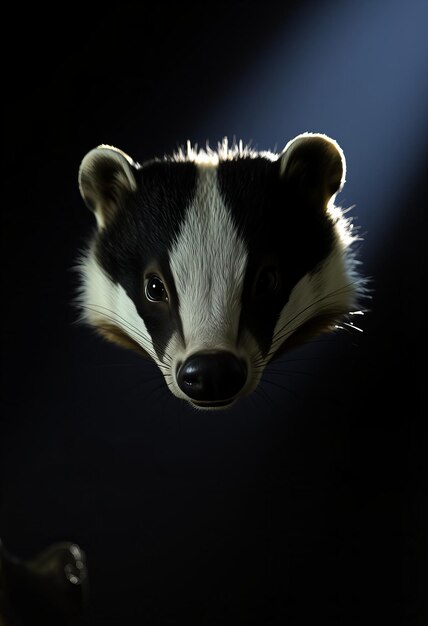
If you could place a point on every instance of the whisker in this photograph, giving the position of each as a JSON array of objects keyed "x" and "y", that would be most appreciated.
[
  {"x": 283, "y": 387},
  {"x": 115, "y": 317},
  {"x": 99, "y": 308},
  {"x": 351, "y": 325},
  {"x": 262, "y": 362},
  {"x": 285, "y": 331},
  {"x": 279, "y": 334},
  {"x": 340, "y": 290},
  {"x": 112, "y": 316}
]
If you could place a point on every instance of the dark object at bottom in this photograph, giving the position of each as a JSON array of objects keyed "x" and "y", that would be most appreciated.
[{"x": 50, "y": 589}]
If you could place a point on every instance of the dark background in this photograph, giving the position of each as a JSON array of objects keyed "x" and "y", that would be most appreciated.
[{"x": 307, "y": 502}]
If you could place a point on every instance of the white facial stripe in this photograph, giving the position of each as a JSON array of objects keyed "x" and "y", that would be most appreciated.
[
  {"x": 102, "y": 301},
  {"x": 332, "y": 289},
  {"x": 208, "y": 263}
]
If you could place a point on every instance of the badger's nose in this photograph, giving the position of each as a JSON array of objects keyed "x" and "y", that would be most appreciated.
[{"x": 212, "y": 377}]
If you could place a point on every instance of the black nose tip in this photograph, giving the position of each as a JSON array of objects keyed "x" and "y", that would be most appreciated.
[{"x": 212, "y": 376}]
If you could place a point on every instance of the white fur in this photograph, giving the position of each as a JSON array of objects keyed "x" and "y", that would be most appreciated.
[
  {"x": 102, "y": 301},
  {"x": 330, "y": 290},
  {"x": 208, "y": 263},
  {"x": 224, "y": 152}
]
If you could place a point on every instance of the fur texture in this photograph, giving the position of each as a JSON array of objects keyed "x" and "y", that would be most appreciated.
[{"x": 214, "y": 262}]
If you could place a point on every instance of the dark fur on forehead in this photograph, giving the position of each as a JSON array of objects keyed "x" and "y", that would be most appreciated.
[
  {"x": 145, "y": 227},
  {"x": 269, "y": 215},
  {"x": 278, "y": 229}
]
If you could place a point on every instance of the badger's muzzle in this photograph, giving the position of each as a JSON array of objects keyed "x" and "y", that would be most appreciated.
[{"x": 212, "y": 379}]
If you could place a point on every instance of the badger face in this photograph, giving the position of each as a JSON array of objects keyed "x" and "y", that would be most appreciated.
[{"x": 213, "y": 263}]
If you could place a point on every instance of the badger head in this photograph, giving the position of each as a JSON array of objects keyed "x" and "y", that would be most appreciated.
[{"x": 212, "y": 263}]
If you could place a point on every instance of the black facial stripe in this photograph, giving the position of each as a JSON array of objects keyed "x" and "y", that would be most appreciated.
[
  {"x": 140, "y": 236},
  {"x": 161, "y": 318},
  {"x": 276, "y": 227}
]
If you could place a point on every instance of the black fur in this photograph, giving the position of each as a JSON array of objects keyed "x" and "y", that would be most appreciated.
[
  {"x": 279, "y": 229},
  {"x": 137, "y": 240}
]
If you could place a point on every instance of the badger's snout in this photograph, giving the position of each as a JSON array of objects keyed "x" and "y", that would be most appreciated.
[{"x": 212, "y": 379}]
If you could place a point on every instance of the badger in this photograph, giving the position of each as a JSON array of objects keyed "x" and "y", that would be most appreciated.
[{"x": 214, "y": 262}]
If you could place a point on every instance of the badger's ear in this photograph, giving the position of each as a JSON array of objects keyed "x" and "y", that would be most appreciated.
[
  {"x": 313, "y": 167},
  {"x": 106, "y": 177}
]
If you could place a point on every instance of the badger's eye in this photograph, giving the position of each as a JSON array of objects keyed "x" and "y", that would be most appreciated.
[
  {"x": 155, "y": 289},
  {"x": 267, "y": 281}
]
